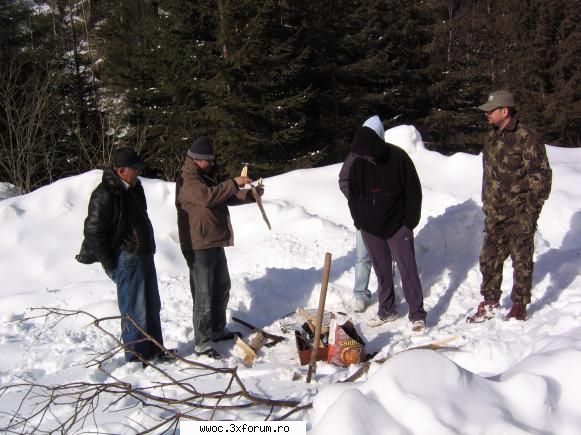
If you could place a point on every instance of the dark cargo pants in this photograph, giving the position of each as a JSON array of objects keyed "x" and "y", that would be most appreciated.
[
  {"x": 400, "y": 247},
  {"x": 210, "y": 287},
  {"x": 513, "y": 237}
]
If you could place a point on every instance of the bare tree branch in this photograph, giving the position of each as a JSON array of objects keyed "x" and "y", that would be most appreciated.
[
  {"x": 75, "y": 406},
  {"x": 166, "y": 401},
  {"x": 28, "y": 145}
]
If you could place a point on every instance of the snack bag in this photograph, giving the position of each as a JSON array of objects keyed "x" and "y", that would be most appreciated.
[{"x": 345, "y": 345}]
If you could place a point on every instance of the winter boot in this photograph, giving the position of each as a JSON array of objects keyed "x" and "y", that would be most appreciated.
[
  {"x": 518, "y": 312},
  {"x": 486, "y": 311}
]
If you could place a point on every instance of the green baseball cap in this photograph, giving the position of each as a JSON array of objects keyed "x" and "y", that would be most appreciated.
[{"x": 498, "y": 99}]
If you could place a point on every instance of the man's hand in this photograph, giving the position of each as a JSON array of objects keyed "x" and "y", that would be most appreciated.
[
  {"x": 242, "y": 180},
  {"x": 260, "y": 189}
]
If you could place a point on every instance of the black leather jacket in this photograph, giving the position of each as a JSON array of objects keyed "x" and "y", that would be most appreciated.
[{"x": 117, "y": 219}]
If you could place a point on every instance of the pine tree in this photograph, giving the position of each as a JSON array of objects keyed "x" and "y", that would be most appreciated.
[
  {"x": 550, "y": 90},
  {"x": 260, "y": 100},
  {"x": 368, "y": 63},
  {"x": 533, "y": 53},
  {"x": 565, "y": 106},
  {"x": 464, "y": 65},
  {"x": 148, "y": 69},
  {"x": 543, "y": 69},
  {"x": 283, "y": 84}
]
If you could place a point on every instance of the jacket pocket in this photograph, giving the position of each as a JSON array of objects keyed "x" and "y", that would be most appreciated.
[
  {"x": 85, "y": 255},
  {"x": 515, "y": 164}
]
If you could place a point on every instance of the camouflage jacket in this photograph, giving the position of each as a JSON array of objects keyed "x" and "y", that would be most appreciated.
[{"x": 517, "y": 175}]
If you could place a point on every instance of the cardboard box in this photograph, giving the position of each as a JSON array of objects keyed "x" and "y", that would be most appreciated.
[{"x": 305, "y": 347}]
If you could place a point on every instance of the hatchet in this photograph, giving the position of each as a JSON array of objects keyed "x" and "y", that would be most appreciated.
[{"x": 256, "y": 196}]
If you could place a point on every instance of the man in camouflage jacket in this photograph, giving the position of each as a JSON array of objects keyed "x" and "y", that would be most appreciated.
[{"x": 516, "y": 183}]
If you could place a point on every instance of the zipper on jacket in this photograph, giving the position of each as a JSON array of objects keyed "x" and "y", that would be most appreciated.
[{"x": 374, "y": 192}]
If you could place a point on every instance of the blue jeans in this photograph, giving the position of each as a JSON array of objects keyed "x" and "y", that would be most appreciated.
[
  {"x": 210, "y": 287},
  {"x": 362, "y": 269},
  {"x": 138, "y": 297}
]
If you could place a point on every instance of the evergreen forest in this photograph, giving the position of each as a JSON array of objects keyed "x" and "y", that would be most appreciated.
[{"x": 277, "y": 84}]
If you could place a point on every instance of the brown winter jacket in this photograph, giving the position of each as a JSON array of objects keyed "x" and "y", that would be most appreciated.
[{"x": 202, "y": 207}]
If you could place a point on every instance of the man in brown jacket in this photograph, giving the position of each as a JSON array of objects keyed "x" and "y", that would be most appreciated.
[{"x": 204, "y": 230}]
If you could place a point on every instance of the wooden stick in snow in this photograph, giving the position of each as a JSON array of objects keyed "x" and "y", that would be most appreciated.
[{"x": 320, "y": 314}]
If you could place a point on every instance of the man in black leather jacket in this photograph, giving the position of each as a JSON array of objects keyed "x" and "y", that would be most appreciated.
[{"x": 119, "y": 234}]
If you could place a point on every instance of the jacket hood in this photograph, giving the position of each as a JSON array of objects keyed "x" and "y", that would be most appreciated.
[
  {"x": 367, "y": 143},
  {"x": 376, "y": 125}
]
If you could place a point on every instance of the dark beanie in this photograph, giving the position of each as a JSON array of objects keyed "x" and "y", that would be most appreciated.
[{"x": 202, "y": 149}]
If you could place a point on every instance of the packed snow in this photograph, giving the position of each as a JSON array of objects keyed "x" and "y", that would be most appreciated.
[{"x": 500, "y": 377}]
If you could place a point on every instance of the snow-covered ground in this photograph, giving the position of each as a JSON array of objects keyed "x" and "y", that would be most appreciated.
[{"x": 498, "y": 377}]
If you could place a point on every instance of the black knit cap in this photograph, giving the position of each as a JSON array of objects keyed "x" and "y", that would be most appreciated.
[
  {"x": 127, "y": 158},
  {"x": 202, "y": 149}
]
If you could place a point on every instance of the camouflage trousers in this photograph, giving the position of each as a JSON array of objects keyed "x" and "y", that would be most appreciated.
[{"x": 512, "y": 237}]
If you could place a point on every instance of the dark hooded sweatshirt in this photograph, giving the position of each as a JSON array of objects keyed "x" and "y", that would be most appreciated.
[{"x": 384, "y": 188}]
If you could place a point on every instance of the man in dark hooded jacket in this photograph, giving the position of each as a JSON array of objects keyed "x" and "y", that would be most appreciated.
[{"x": 385, "y": 199}]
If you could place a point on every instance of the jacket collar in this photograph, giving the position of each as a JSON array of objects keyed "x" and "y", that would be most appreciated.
[
  {"x": 112, "y": 181},
  {"x": 511, "y": 126}
]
